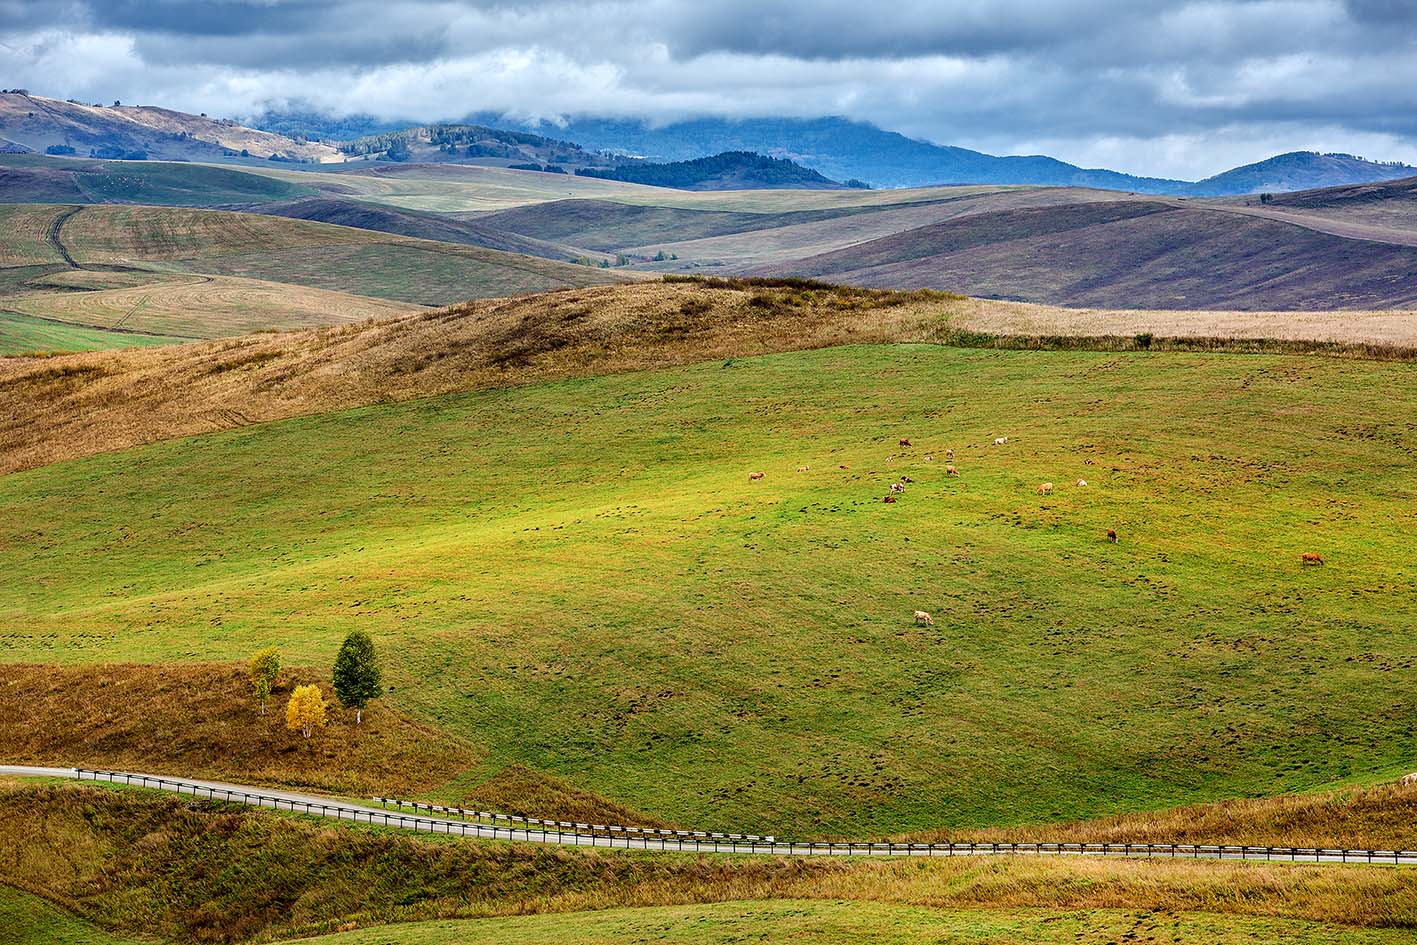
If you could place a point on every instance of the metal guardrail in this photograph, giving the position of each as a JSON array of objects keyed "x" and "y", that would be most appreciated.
[
  {"x": 688, "y": 843},
  {"x": 570, "y": 824}
]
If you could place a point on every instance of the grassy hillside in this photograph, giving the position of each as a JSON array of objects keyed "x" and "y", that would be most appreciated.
[
  {"x": 315, "y": 255},
  {"x": 76, "y": 278},
  {"x": 1130, "y": 254},
  {"x": 68, "y": 408},
  {"x": 38, "y": 122},
  {"x": 34, "y": 179},
  {"x": 133, "y": 863},
  {"x": 1065, "y": 676},
  {"x": 27, "y": 334},
  {"x": 818, "y": 922},
  {"x": 168, "y": 305}
]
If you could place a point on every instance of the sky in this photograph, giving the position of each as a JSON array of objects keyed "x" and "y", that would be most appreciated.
[{"x": 1151, "y": 87}]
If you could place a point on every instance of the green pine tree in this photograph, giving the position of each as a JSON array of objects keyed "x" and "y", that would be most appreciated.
[{"x": 357, "y": 673}]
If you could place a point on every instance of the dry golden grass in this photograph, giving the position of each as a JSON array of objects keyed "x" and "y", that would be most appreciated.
[
  {"x": 1396, "y": 328},
  {"x": 201, "y": 720},
  {"x": 199, "y": 306},
  {"x": 81, "y": 404},
  {"x": 517, "y": 789},
  {"x": 1382, "y": 817},
  {"x": 140, "y": 862},
  {"x": 26, "y": 229},
  {"x": 60, "y": 408},
  {"x": 123, "y": 235}
]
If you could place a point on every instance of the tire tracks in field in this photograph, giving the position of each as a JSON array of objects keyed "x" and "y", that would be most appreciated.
[{"x": 55, "y": 226}]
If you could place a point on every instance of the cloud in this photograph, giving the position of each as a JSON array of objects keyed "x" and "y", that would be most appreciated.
[{"x": 1148, "y": 86}]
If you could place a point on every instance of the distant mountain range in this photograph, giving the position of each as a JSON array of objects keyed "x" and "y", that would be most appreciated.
[
  {"x": 842, "y": 149},
  {"x": 828, "y": 149}
]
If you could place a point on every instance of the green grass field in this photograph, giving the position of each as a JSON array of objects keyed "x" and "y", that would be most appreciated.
[
  {"x": 579, "y": 576},
  {"x": 39, "y": 179},
  {"x": 26, "y": 334},
  {"x": 29, "y": 920}
]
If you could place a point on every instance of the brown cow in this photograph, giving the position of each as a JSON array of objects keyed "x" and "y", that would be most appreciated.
[
  {"x": 801, "y": 468},
  {"x": 889, "y": 498},
  {"x": 755, "y": 476},
  {"x": 951, "y": 471},
  {"x": 1112, "y": 535},
  {"x": 906, "y": 479},
  {"x": 1311, "y": 557},
  {"x": 1045, "y": 488},
  {"x": 843, "y": 466},
  {"x": 922, "y": 617},
  {"x": 903, "y": 442}
]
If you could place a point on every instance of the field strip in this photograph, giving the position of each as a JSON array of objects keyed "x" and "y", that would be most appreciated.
[
  {"x": 316, "y": 806},
  {"x": 1340, "y": 228}
]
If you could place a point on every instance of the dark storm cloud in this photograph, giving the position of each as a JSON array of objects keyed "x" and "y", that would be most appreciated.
[{"x": 1157, "y": 86}]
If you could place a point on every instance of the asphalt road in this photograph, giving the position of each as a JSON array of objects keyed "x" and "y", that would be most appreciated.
[{"x": 317, "y": 806}]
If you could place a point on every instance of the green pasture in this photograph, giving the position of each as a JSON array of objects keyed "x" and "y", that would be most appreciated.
[{"x": 581, "y": 577}]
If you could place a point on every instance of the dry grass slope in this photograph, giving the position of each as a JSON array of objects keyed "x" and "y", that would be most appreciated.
[
  {"x": 91, "y": 403},
  {"x": 201, "y": 720},
  {"x": 140, "y": 863},
  {"x": 83, "y": 404}
]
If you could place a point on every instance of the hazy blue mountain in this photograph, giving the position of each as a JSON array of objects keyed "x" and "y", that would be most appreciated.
[
  {"x": 842, "y": 149},
  {"x": 1300, "y": 170}
]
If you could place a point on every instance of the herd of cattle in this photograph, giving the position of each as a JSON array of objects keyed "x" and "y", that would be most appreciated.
[{"x": 897, "y": 489}]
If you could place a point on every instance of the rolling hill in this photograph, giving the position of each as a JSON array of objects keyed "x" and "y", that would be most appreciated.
[
  {"x": 1137, "y": 253},
  {"x": 586, "y": 549},
  {"x": 475, "y": 145},
  {"x": 1299, "y": 170},
  {"x": 117, "y": 131},
  {"x": 731, "y": 170},
  {"x": 74, "y": 278}
]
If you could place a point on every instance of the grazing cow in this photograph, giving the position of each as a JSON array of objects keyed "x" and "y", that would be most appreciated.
[
  {"x": 755, "y": 476},
  {"x": 891, "y": 458},
  {"x": 1408, "y": 779},
  {"x": 951, "y": 471},
  {"x": 906, "y": 479},
  {"x": 929, "y": 458},
  {"x": 1045, "y": 488},
  {"x": 922, "y": 617},
  {"x": 889, "y": 498},
  {"x": 897, "y": 487},
  {"x": 903, "y": 442},
  {"x": 843, "y": 466},
  {"x": 1082, "y": 482},
  {"x": 1000, "y": 440},
  {"x": 1112, "y": 535},
  {"x": 1311, "y": 557},
  {"x": 1088, "y": 462},
  {"x": 801, "y": 468}
]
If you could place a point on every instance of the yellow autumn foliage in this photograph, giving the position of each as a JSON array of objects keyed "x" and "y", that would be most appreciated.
[{"x": 306, "y": 710}]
